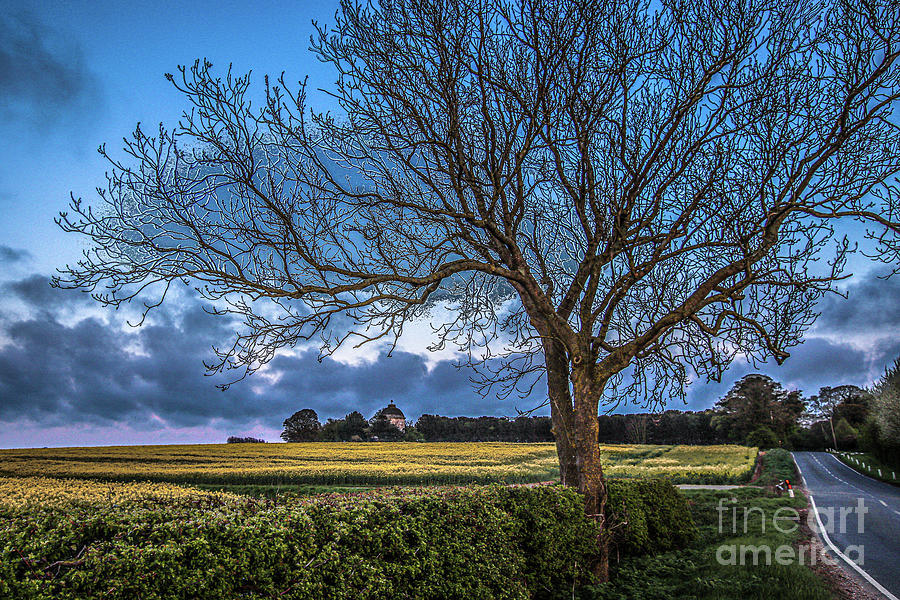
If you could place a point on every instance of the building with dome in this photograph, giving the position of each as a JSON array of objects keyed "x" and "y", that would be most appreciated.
[{"x": 394, "y": 415}]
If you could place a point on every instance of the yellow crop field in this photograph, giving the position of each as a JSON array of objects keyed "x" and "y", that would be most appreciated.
[
  {"x": 49, "y": 492},
  {"x": 285, "y": 464},
  {"x": 682, "y": 464},
  {"x": 368, "y": 463}
]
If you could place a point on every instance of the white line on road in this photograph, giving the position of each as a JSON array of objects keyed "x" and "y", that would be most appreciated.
[
  {"x": 827, "y": 470},
  {"x": 834, "y": 549},
  {"x": 827, "y": 539},
  {"x": 846, "y": 466}
]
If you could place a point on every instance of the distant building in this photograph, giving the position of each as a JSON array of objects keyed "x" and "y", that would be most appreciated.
[{"x": 395, "y": 416}]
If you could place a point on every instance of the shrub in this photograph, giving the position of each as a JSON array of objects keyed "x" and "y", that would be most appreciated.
[
  {"x": 554, "y": 531},
  {"x": 648, "y": 516},
  {"x": 868, "y": 437},
  {"x": 762, "y": 437},
  {"x": 809, "y": 438},
  {"x": 882, "y": 436}
]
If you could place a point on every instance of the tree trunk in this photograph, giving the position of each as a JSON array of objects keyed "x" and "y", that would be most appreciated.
[
  {"x": 833, "y": 437},
  {"x": 562, "y": 414},
  {"x": 563, "y": 425},
  {"x": 574, "y": 402},
  {"x": 591, "y": 482}
]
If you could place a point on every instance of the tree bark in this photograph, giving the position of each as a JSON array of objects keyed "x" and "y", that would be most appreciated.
[
  {"x": 562, "y": 414},
  {"x": 591, "y": 482}
]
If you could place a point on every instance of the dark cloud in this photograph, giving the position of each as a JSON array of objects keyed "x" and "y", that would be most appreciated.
[
  {"x": 35, "y": 291},
  {"x": 870, "y": 312},
  {"x": 816, "y": 363},
  {"x": 95, "y": 372},
  {"x": 404, "y": 378},
  {"x": 43, "y": 76},
  {"x": 13, "y": 255},
  {"x": 820, "y": 362},
  {"x": 60, "y": 370},
  {"x": 872, "y": 304}
]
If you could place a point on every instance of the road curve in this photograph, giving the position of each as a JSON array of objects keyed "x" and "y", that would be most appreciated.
[{"x": 869, "y": 533}]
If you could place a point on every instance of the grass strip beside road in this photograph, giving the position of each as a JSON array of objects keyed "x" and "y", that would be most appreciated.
[
  {"x": 869, "y": 466},
  {"x": 704, "y": 571},
  {"x": 777, "y": 465}
]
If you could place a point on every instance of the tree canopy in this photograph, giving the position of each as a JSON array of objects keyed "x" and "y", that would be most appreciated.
[
  {"x": 757, "y": 401},
  {"x": 302, "y": 426},
  {"x": 381, "y": 427},
  {"x": 835, "y": 404},
  {"x": 620, "y": 195},
  {"x": 884, "y": 415}
]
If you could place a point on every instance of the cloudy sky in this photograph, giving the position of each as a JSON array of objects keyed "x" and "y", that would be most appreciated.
[{"x": 75, "y": 75}]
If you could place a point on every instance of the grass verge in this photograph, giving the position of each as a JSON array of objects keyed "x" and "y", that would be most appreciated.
[
  {"x": 869, "y": 465},
  {"x": 777, "y": 465},
  {"x": 704, "y": 571}
]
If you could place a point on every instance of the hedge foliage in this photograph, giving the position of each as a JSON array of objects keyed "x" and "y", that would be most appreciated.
[
  {"x": 495, "y": 542},
  {"x": 648, "y": 516}
]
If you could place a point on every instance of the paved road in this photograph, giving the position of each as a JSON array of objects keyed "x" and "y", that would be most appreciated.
[
  {"x": 873, "y": 541},
  {"x": 704, "y": 486}
]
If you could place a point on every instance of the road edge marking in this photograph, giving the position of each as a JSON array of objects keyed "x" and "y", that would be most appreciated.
[
  {"x": 821, "y": 528},
  {"x": 857, "y": 471}
]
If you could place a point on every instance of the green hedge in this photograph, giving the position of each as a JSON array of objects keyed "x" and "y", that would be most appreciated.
[
  {"x": 496, "y": 542},
  {"x": 648, "y": 516},
  {"x": 458, "y": 543}
]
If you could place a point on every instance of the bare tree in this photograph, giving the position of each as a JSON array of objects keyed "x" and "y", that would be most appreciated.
[
  {"x": 625, "y": 194},
  {"x": 636, "y": 428}
]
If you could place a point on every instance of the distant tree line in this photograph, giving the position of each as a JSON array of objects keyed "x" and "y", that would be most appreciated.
[
  {"x": 756, "y": 411},
  {"x": 669, "y": 427},
  {"x": 435, "y": 428},
  {"x": 304, "y": 426},
  {"x": 245, "y": 440}
]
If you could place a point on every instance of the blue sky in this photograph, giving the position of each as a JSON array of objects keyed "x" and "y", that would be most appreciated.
[{"x": 75, "y": 75}]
